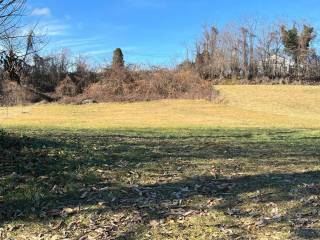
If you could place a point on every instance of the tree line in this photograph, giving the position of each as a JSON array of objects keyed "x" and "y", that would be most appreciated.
[
  {"x": 251, "y": 54},
  {"x": 247, "y": 53}
]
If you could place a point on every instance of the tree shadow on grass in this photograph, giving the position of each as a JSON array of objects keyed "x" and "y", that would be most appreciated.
[
  {"x": 230, "y": 192},
  {"x": 58, "y": 171}
]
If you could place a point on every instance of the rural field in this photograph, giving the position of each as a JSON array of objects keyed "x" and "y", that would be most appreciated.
[{"x": 246, "y": 166}]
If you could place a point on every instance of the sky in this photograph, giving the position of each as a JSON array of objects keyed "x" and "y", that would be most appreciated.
[{"x": 149, "y": 31}]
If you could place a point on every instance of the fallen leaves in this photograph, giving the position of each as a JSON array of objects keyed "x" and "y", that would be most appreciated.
[
  {"x": 57, "y": 225},
  {"x": 154, "y": 223},
  {"x": 180, "y": 212},
  {"x": 68, "y": 211},
  {"x": 12, "y": 228},
  {"x": 57, "y": 190},
  {"x": 77, "y": 193},
  {"x": 84, "y": 195}
]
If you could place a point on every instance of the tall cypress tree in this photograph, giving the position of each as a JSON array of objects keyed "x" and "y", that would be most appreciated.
[{"x": 117, "y": 60}]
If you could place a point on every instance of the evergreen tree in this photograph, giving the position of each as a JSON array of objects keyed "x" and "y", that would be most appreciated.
[
  {"x": 305, "y": 39},
  {"x": 117, "y": 60},
  {"x": 290, "y": 40},
  {"x": 297, "y": 45}
]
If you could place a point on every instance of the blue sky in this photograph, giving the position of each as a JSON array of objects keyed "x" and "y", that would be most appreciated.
[{"x": 149, "y": 31}]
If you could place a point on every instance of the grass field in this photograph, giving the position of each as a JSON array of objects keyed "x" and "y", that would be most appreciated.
[
  {"x": 239, "y": 106},
  {"x": 244, "y": 168}
]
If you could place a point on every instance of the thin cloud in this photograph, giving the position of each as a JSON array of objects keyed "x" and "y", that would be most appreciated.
[
  {"x": 53, "y": 28},
  {"x": 81, "y": 43},
  {"x": 109, "y": 50},
  {"x": 98, "y": 52},
  {"x": 41, "y": 12}
]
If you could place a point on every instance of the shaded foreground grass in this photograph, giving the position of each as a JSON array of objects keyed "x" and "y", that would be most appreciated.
[{"x": 184, "y": 184}]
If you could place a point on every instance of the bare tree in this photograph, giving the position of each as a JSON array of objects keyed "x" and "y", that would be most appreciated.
[
  {"x": 251, "y": 58},
  {"x": 15, "y": 55},
  {"x": 11, "y": 12},
  {"x": 244, "y": 49}
]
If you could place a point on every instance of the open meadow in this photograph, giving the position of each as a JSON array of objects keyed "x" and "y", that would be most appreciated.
[
  {"x": 270, "y": 106},
  {"x": 246, "y": 166}
]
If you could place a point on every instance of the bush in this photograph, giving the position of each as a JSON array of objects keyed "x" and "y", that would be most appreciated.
[
  {"x": 67, "y": 87},
  {"x": 149, "y": 85},
  {"x": 13, "y": 94}
]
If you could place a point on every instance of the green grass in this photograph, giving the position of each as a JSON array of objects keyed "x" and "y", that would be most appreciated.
[
  {"x": 160, "y": 184},
  {"x": 244, "y": 167}
]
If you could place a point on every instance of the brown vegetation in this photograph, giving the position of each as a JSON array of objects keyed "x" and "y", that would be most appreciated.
[
  {"x": 238, "y": 54},
  {"x": 67, "y": 87},
  {"x": 144, "y": 85},
  {"x": 12, "y": 94}
]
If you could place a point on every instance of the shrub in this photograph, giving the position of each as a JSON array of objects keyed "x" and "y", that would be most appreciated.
[
  {"x": 13, "y": 94},
  {"x": 149, "y": 85},
  {"x": 67, "y": 87}
]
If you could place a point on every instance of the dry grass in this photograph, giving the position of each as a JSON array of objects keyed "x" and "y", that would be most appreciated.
[
  {"x": 242, "y": 106},
  {"x": 197, "y": 183}
]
